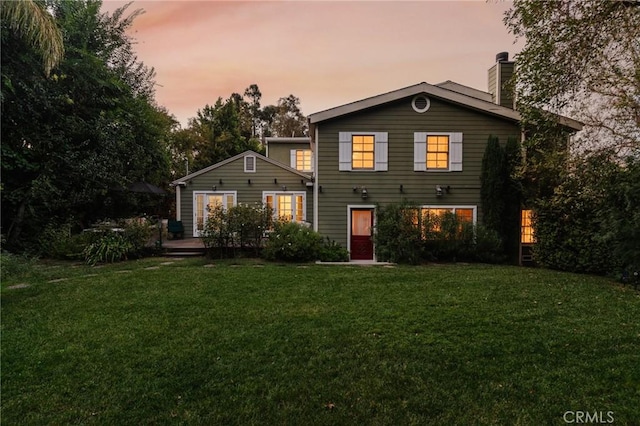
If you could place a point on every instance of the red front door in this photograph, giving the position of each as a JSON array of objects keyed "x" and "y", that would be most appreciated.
[{"x": 361, "y": 234}]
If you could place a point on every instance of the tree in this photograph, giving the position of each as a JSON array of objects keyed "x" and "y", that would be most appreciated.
[
  {"x": 217, "y": 133},
  {"x": 253, "y": 94},
  {"x": 37, "y": 27},
  {"x": 289, "y": 120},
  {"x": 581, "y": 58},
  {"x": 492, "y": 189},
  {"x": 71, "y": 141}
]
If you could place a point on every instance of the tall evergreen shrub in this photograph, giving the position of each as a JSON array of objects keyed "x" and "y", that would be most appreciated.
[{"x": 493, "y": 185}]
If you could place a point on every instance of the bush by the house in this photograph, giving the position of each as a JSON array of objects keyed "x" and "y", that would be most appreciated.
[
  {"x": 403, "y": 235},
  {"x": 331, "y": 251},
  {"x": 239, "y": 228},
  {"x": 397, "y": 237},
  {"x": 293, "y": 242}
]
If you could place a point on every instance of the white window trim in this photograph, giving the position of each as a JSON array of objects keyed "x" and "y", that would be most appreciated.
[
  {"x": 205, "y": 193},
  {"x": 420, "y": 151},
  {"x": 293, "y": 194},
  {"x": 420, "y": 110},
  {"x": 454, "y": 207},
  {"x": 255, "y": 166},
  {"x": 293, "y": 160},
  {"x": 381, "y": 151}
]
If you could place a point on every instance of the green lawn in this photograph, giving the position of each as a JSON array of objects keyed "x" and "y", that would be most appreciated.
[{"x": 273, "y": 344}]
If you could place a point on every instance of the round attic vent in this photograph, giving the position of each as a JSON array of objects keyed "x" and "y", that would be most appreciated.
[{"x": 420, "y": 103}]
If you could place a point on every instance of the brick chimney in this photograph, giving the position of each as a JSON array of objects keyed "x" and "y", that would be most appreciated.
[{"x": 499, "y": 75}]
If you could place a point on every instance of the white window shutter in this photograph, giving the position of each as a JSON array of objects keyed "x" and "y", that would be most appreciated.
[
  {"x": 344, "y": 140},
  {"x": 455, "y": 152},
  {"x": 420, "y": 152},
  {"x": 292, "y": 159},
  {"x": 382, "y": 151}
]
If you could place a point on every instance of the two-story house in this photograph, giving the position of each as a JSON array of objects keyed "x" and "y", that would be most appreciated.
[{"x": 422, "y": 143}]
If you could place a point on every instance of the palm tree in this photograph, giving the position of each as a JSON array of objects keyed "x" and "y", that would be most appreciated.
[{"x": 32, "y": 21}]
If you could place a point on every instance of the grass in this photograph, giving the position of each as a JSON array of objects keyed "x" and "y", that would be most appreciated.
[{"x": 271, "y": 344}]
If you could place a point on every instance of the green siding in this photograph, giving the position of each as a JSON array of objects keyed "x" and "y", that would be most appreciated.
[
  {"x": 281, "y": 151},
  {"x": 401, "y": 121},
  {"x": 234, "y": 178}
]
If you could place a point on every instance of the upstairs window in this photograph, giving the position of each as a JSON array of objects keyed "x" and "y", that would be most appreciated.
[
  {"x": 363, "y": 151},
  {"x": 302, "y": 160},
  {"x": 437, "y": 152}
]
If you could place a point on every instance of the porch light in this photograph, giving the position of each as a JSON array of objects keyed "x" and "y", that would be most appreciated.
[
  {"x": 440, "y": 190},
  {"x": 214, "y": 187},
  {"x": 363, "y": 191}
]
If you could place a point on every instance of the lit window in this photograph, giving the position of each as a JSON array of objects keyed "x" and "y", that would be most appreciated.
[
  {"x": 432, "y": 218},
  {"x": 303, "y": 160},
  {"x": 465, "y": 215},
  {"x": 287, "y": 206},
  {"x": 206, "y": 202},
  {"x": 362, "y": 151},
  {"x": 526, "y": 227},
  {"x": 437, "y": 152}
]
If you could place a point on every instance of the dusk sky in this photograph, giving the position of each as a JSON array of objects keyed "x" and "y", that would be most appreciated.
[{"x": 325, "y": 53}]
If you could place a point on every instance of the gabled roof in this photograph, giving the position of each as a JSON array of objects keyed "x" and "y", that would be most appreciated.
[
  {"x": 436, "y": 92},
  {"x": 466, "y": 90},
  {"x": 237, "y": 157}
]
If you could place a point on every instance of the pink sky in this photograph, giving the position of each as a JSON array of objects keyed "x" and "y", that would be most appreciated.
[{"x": 325, "y": 53}]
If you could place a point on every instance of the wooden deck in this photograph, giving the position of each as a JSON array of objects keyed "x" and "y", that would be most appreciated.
[{"x": 185, "y": 243}]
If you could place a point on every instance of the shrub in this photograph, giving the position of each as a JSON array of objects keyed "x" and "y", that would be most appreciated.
[
  {"x": 130, "y": 239},
  {"x": 333, "y": 252},
  {"x": 14, "y": 265},
  {"x": 110, "y": 247},
  {"x": 397, "y": 237},
  {"x": 58, "y": 242},
  {"x": 293, "y": 242},
  {"x": 241, "y": 226}
]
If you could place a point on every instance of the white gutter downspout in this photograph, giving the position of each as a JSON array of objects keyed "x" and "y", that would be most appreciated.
[
  {"x": 178, "y": 209},
  {"x": 315, "y": 184}
]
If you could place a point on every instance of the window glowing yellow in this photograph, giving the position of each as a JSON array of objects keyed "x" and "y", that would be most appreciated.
[
  {"x": 437, "y": 152},
  {"x": 299, "y": 208},
  {"x": 303, "y": 160},
  {"x": 432, "y": 218},
  {"x": 465, "y": 215},
  {"x": 362, "y": 151},
  {"x": 284, "y": 207},
  {"x": 526, "y": 227}
]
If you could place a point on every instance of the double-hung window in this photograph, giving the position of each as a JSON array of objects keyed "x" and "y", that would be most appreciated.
[
  {"x": 287, "y": 206},
  {"x": 438, "y": 152},
  {"x": 363, "y": 151}
]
